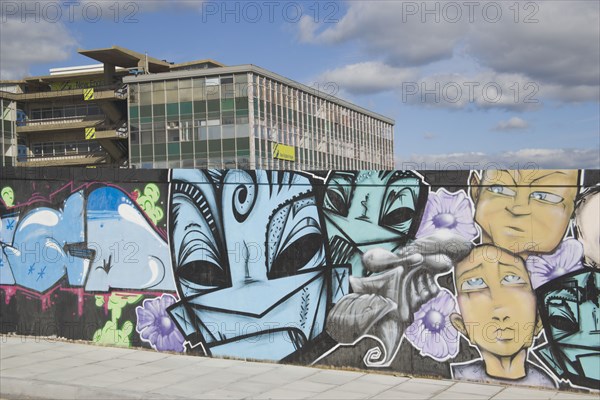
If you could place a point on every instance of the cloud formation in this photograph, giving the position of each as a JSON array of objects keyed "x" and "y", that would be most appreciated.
[
  {"x": 524, "y": 158},
  {"x": 552, "y": 46},
  {"x": 25, "y": 44},
  {"x": 513, "y": 124},
  {"x": 37, "y": 32}
]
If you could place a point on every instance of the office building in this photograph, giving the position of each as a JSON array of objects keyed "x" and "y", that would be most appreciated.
[{"x": 132, "y": 110}]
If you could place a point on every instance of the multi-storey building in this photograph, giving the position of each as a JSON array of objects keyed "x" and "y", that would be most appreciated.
[{"x": 138, "y": 111}]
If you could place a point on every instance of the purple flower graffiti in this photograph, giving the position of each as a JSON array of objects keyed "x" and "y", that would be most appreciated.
[
  {"x": 452, "y": 211},
  {"x": 432, "y": 332},
  {"x": 546, "y": 267},
  {"x": 156, "y": 327}
]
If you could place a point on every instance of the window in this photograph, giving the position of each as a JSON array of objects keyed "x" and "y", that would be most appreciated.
[
  {"x": 199, "y": 89},
  {"x": 171, "y": 91},
  {"x": 212, "y": 88},
  {"x": 173, "y": 131},
  {"x": 185, "y": 90},
  {"x": 159, "y": 132},
  {"x": 214, "y": 132},
  {"x": 145, "y": 94},
  {"x": 228, "y": 131}
]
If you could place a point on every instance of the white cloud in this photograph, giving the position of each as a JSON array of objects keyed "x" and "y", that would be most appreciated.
[
  {"x": 369, "y": 77},
  {"x": 514, "y": 123},
  {"x": 562, "y": 47},
  {"x": 484, "y": 90},
  {"x": 559, "y": 54},
  {"x": 524, "y": 158},
  {"x": 381, "y": 28},
  {"x": 25, "y": 44},
  {"x": 37, "y": 32}
]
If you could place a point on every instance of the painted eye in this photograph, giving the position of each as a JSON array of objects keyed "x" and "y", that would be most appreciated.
[
  {"x": 399, "y": 209},
  {"x": 503, "y": 190},
  {"x": 296, "y": 256},
  {"x": 513, "y": 280},
  {"x": 474, "y": 284},
  {"x": 563, "y": 321},
  {"x": 339, "y": 193},
  {"x": 202, "y": 274},
  {"x": 546, "y": 197},
  {"x": 563, "y": 324},
  {"x": 335, "y": 200},
  {"x": 295, "y": 239}
]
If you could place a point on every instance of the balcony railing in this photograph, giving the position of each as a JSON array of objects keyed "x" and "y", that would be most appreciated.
[
  {"x": 62, "y": 159},
  {"x": 60, "y": 120}
]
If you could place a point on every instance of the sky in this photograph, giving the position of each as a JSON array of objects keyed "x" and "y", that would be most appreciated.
[{"x": 470, "y": 84}]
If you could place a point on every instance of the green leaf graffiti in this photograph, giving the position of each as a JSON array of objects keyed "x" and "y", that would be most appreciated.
[
  {"x": 111, "y": 333},
  {"x": 148, "y": 202},
  {"x": 8, "y": 195}
]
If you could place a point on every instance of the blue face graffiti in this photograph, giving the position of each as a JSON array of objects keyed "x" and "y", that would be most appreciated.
[
  {"x": 569, "y": 307},
  {"x": 371, "y": 209},
  {"x": 241, "y": 235}
]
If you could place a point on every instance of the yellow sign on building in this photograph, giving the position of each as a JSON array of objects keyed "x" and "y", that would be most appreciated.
[
  {"x": 88, "y": 94},
  {"x": 284, "y": 152},
  {"x": 90, "y": 133}
]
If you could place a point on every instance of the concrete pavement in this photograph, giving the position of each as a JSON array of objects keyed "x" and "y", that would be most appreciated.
[{"x": 46, "y": 369}]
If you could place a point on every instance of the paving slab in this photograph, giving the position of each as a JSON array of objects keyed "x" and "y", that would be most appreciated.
[
  {"x": 458, "y": 396},
  {"x": 285, "y": 394},
  {"x": 381, "y": 379},
  {"x": 307, "y": 386},
  {"x": 514, "y": 393},
  {"x": 333, "y": 377},
  {"x": 574, "y": 396},
  {"x": 474, "y": 389},
  {"x": 340, "y": 394},
  {"x": 223, "y": 394},
  {"x": 393, "y": 394},
  {"x": 420, "y": 387}
]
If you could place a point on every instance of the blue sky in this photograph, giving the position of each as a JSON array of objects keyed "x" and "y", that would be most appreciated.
[{"x": 377, "y": 54}]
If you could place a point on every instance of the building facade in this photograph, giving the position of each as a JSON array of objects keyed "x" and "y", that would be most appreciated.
[{"x": 140, "y": 112}]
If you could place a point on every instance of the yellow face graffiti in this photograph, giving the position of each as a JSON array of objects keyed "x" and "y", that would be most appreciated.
[
  {"x": 524, "y": 210},
  {"x": 496, "y": 302}
]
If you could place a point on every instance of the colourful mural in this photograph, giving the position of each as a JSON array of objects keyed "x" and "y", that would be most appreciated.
[{"x": 488, "y": 276}]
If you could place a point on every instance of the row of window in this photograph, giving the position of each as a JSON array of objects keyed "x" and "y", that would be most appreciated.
[
  {"x": 189, "y": 89},
  {"x": 55, "y": 149},
  {"x": 282, "y": 100},
  {"x": 238, "y": 104},
  {"x": 320, "y": 133},
  {"x": 208, "y": 109},
  {"x": 218, "y": 152},
  {"x": 65, "y": 111},
  {"x": 187, "y": 131},
  {"x": 229, "y": 163}
]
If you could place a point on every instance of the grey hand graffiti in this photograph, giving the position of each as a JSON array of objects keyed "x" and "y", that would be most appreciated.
[{"x": 383, "y": 304}]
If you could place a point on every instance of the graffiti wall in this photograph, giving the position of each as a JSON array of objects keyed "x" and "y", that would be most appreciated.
[{"x": 489, "y": 276}]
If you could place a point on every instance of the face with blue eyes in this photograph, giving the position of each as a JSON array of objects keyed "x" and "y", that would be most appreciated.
[
  {"x": 497, "y": 304},
  {"x": 524, "y": 210}
]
